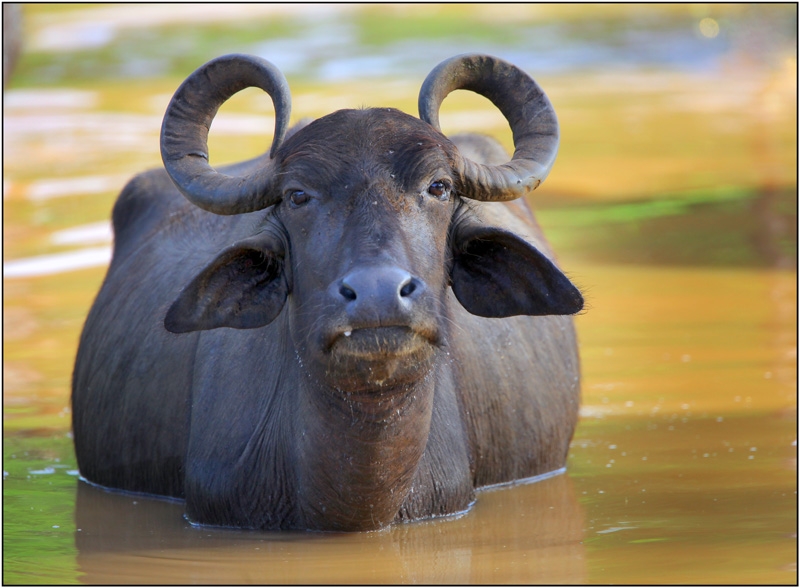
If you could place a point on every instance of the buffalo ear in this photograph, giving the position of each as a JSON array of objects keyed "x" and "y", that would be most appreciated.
[
  {"x": 497, "y": 274},
  {"x": 244, "y": 288}
]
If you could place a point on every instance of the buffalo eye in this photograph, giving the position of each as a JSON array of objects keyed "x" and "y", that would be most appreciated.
[
  {"x": 299, "y": 197},
  {"x": 439, "y": 189}
]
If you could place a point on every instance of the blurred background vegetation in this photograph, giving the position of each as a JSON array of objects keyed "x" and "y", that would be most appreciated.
[{"x": 667, "y": 110}]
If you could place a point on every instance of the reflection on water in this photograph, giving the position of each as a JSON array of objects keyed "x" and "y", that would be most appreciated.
[
  {"x": 731, "y": 229},
  {"x": 531, "y": 534},
  {"x": 682, "y": 469},
  {"x": 689, "y": 430}
]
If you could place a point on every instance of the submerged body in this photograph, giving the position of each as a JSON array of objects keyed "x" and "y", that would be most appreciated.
[{"x": 355, "y": 353}]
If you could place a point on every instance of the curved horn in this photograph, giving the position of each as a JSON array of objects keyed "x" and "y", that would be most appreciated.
[
  {"x": 526, "y": 107},
  {"x": 184, "y": 134}
]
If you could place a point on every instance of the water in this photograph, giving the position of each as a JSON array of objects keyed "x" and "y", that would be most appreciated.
[
  {"x": 685, "y": 453},
  {"x": 684, "y": 466}
]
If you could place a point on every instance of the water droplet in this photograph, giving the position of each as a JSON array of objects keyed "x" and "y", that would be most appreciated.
[{"x": 348, "y": 333}]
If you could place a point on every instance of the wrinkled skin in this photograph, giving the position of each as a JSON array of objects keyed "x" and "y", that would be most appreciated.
[{"x": 354, "y": 355}]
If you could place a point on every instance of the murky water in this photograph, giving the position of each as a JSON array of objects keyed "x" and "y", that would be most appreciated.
[{"x": 684, "y": 466}]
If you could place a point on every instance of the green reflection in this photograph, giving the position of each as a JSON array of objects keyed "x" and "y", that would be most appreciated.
[
  {"x": 732, "y": 227},
  {"x": 39, "y": 478}
]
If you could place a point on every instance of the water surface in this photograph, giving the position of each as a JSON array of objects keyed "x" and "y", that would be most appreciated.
[{"x": 685, "y": 453}]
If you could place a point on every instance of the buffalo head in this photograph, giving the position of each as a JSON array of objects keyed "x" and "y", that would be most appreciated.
[
  {"x": 370, "y": 237},
  {"x": 367, "y": 223}
]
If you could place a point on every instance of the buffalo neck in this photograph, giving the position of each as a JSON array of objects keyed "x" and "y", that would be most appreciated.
[{"x": 358, "y": 452}]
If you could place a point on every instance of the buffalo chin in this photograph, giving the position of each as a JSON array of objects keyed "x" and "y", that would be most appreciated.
[{"x": 379, "y": 358}]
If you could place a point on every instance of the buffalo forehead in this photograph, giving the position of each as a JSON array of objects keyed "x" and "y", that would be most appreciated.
[{"x": 353, "y": 149}]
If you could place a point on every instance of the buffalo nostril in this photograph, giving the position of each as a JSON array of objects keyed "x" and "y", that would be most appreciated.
[
  {"x": 408, "y": 288},
  {"x": 347, "y": 293}
]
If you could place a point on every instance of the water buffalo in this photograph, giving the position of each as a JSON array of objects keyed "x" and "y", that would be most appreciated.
[{"x": 360, "y": 326}]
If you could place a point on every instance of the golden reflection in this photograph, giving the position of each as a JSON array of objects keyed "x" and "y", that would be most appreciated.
[
  {"x": 524, "y": 534},
  {"x": 679, "y": 342}
]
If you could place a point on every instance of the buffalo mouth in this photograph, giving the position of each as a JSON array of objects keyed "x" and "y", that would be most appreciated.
[
  {"x": 379, "y": 357},
  {"x": 377, "y": 343}
]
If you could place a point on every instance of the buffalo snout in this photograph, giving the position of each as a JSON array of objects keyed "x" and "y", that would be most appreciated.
[{"x": 378, "y": 296}]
